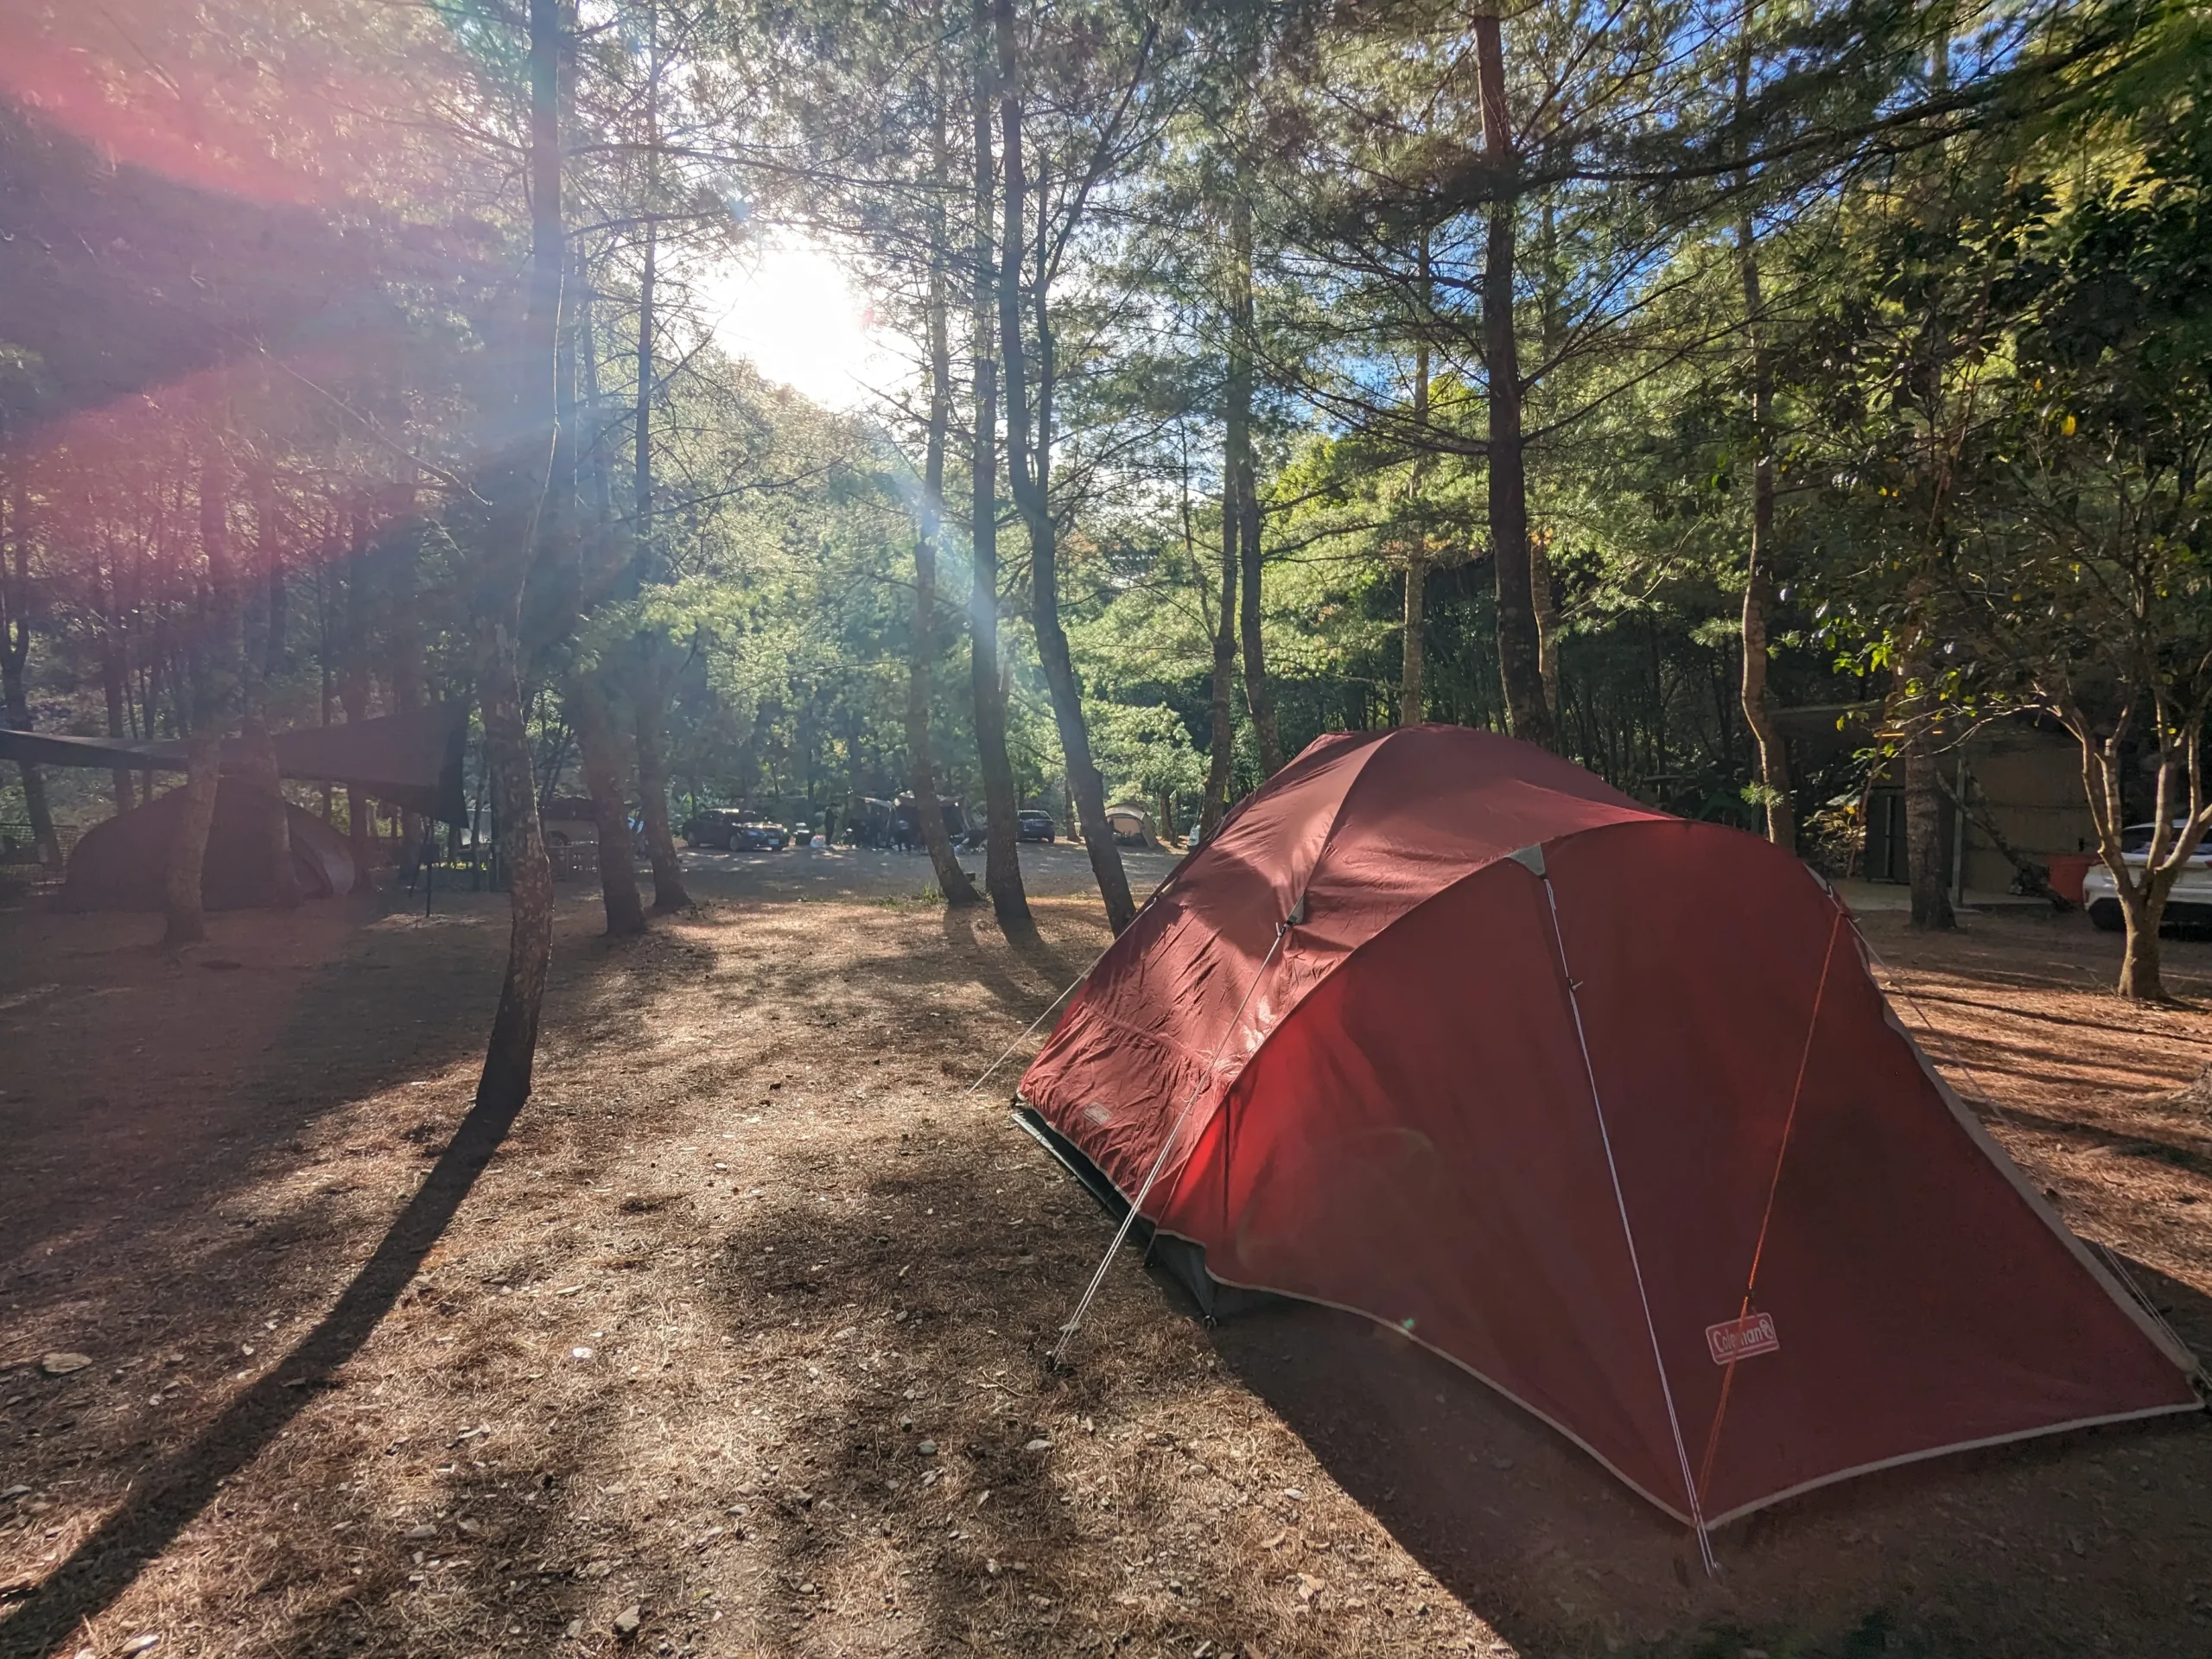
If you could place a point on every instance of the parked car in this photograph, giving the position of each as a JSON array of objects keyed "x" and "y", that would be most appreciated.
[
  {"x": 711, "y": 827},
  {"x": 758, "y": 836},
  {"x": 733, "y": 830},
  {"x": 1032, "y": 825},
  {"x": 2188, "y": 906}
]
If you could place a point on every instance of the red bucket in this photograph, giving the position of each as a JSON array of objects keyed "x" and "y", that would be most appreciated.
[{"x": 2067, "y": 870}]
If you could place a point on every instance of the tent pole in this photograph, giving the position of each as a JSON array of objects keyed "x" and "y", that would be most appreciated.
[{"x": 1628, "y": 1232}]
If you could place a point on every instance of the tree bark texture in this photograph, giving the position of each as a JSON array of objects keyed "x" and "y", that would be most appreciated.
[
  {"x": 1243, "y": 489},
  {"x": 264, "y": 788},
  {"x": 1027, "y": 464},
  {"x": 14, "y": 661},
  {"x": 600, "y": 750},
  {"x": 1923, "y": 826},
  {"x": 213, "y": 688},
  {"x": 1412, "y": 691},
  {"x": 1519, "y": 654},
  {"x": 354, "y": 689},
  {"x": 921, "y": 767},
  {"x": 511, "y": 1053},
  {"x": 1759, "y": 575},
  {"x": 1222, "y": 745},
  {"x": 1002, "y": 855},
  {"x": 669, "y": 892}
]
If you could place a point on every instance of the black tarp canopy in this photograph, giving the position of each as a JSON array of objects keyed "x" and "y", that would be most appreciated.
[{"x": 412, "y": 761}]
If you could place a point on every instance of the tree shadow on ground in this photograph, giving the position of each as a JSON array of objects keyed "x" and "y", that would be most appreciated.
[
  {"x": 2071, "y": 1543},
  {"x": 160, "y": 1276},
  {"x": 164, "y": 1503}
]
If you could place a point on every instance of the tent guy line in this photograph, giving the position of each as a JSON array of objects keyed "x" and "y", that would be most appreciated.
[{"x": 1773, "y": 1187}]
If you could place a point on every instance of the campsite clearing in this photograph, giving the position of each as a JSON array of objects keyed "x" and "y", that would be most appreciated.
[{"x": 741, "y": 1325}]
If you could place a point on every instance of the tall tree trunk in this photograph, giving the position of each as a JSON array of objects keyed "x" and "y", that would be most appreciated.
[
  {"x": 641, "y": 439},
  {"x": 512, "y": 1051},
  {"x": 1412, "y": 692},
  {"x": 1544, "y": 586},
  {"x": 1027, "y": 470},
  {"x": 1223, "y": 744},
  {"x": 921, "y": 768},
  {"x": 357, "y": 625},
  {"x": 650, "y": 691},
  {"x": 1001, "y": 855},
  {"x": 1758, "y": 575},
  {"x": 601, "y": 753},
  {"x": 213, "y": 687},
  {"x": 1923, "y": 810},
  {"x": 669, "y": 892},
  {"x": 403, "y": 548},
  {"x": 115, "y": 669},
  {"x": 2141, "y": 891},
  {"x": 1519, "y": 654},
  {"x": 1244, "y": 487},
  {"x": 15, "y": 659},
  {"x": 258, "y": 775}
]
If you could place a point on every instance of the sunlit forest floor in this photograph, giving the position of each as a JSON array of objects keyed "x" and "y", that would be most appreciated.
[{"x": 738, "y": 1332}]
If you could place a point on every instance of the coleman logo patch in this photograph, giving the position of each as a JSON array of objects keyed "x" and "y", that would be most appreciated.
[{"x": 1735, "y": 1339}]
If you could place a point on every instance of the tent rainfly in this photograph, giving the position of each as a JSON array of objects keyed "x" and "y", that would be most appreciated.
[
  {"x": 1602, "y": 1105},
  {"x": 123, "y": 864}
]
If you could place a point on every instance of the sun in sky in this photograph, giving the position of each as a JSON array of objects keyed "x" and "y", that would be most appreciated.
[{"x": 793, "y": 311}]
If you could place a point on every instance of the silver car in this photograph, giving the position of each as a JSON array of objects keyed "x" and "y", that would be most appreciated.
[{"x": 2190, "y": 903}]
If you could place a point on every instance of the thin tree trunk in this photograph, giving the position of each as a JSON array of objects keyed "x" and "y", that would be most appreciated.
[
  {"x": 1244, "y": 490},
  {"x": 1027, "y": 469},
  {"x": 601, "y": 753},
  {"x": 650, "y": 694},
  {"x": 669, "y": 892},
  {"x": 14, "y": 658},
  {"x": 1924, "y": 823},
  {"x": 407, "y": 688},
  {"x": 1222, "y": 747},
  {"x": 641, "y": 439},
  {"x": 1412, "y": 699},
  {"x": 113, "y": 670},
  {"x": 511, "y": 1053},
  {"x": 2142, "y": 899},
  {"x": 185, "y": 918},
  {"x": 1545, "y": 591},
  {"x": 1001, "y": 857},
  {"x": 1758, "y": 575},
  {"x": 1519, "y": 654},
  {"x": 259, "y": 776},
  {"x": 921, "y": 768},
  {"x": 354, "y": 686}
]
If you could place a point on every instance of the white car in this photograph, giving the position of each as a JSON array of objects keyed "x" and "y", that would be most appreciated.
[{"x": 2190, "y": 903}]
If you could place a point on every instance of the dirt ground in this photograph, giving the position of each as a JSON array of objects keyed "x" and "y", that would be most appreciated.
[{"x": 736, "y": 1331}]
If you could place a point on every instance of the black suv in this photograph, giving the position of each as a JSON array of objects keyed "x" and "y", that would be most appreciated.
[{"x": 1030, "y": 824}]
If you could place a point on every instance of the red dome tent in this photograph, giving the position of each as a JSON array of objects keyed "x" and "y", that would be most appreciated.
[{"x": 1600, "y": 1104}]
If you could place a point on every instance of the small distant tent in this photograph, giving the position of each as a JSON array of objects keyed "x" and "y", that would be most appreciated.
[
  {"x": 123, "y": 863},
  {"x": 1602, "y": 1105},
  {"x": 1131, "y": 824},
  {"x": 907, "y": 816}
]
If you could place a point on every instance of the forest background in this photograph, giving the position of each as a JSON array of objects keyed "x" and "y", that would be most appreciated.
[{"x": 1739, "y": 399}]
